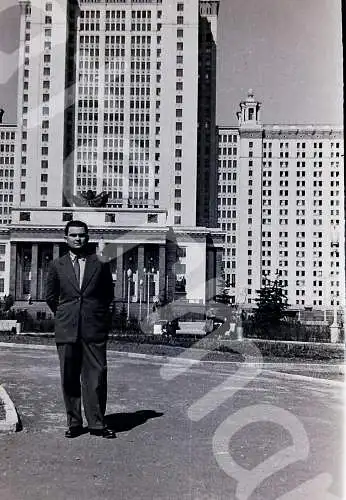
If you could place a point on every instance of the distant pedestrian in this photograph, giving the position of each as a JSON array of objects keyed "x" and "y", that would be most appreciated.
[
  {"x": 155, "y": 316},
  {"x": 79, "y": 293},
  {"x": 210, "y": 320}
]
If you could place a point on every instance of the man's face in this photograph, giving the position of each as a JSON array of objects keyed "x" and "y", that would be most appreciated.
[{"x": 77, "y": 238}]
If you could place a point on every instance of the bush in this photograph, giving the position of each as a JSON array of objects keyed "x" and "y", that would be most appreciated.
[
  {"x": 287, "y": 330},
  {"x": 29, "y": 324}
]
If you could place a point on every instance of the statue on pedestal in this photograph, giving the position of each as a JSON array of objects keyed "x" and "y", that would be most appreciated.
[{"x": 91, "y": 199}]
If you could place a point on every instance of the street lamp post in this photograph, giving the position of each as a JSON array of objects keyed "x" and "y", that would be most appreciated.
[
  {"x": 140, "y": 298},
  {"x": 145, "y": 278},
  {"x": 129, "y": 275},
  {"x": 239, "y": 325},
  {"x": 101, "y": 246},
  {"x": 148, "y": 274},
  {"x": 334, "y": 327}
]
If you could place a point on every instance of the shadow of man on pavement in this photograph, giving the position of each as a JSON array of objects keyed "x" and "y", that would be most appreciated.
[{"x": 121, "y": 422}]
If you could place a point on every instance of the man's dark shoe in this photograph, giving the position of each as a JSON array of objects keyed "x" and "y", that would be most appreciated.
[
  {"x": 74, "y": 432},
  {"x": 104, "y": 433}
]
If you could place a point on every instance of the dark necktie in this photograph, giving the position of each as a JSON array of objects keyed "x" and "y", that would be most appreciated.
[{"x": 76, "y": 268}]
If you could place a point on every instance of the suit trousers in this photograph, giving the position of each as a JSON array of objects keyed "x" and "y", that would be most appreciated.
[{"x": 83, "y": 369}]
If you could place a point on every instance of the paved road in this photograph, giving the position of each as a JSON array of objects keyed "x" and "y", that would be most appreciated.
[{"x": 201, "y": 431}]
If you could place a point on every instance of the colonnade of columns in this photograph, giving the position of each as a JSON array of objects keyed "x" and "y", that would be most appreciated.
[
  {"x": 28, "y": 268},
  {"x": 29, "y": 263},
  {"x": 142, "y": 269},
  {"x": 139, "y": 271}
]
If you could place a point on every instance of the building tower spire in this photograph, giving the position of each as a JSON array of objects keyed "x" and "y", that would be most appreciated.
[{"x": 249, "y": 114}]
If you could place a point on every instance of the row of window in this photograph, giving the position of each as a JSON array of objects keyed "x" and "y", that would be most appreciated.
[
  {"x": 7, "y": 136},
  {"x": 6, "y": 160},
  {"x": 228, "y": 151},
  {"x": 45, "y": 123},
  {"x": 227, "y": 163},
  {"x": 116, "y": 27},
  {"x": 228, "y": 138},
  {"x": 285, "y": 145},
  {"x": 179, "y": 111},
  {"x": 158, "y": 128}
]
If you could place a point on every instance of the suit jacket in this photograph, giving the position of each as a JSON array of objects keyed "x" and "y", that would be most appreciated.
[{"x": 79, "y": 311}]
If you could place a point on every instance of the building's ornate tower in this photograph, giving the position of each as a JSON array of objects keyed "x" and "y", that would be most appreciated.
[
  {"x": 249, "y": 176},
  {"x": 250, "y": 112}
]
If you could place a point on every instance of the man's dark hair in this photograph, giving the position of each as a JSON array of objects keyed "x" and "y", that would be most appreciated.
[{"x": 75, "y": 223}]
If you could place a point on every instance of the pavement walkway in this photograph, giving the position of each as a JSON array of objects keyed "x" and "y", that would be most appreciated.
[{"x": 162, "y": 452}]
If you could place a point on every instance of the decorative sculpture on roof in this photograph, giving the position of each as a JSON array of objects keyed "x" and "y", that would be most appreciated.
[{"x": 91, "y": 199}]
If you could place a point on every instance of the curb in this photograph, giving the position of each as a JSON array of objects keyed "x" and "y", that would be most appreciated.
[
  {"x": 11, "y": 422},
  {"x": 266, "y": 367},
  {"x": 27, "y": 346},
  {"x": 305, "y": 378}
]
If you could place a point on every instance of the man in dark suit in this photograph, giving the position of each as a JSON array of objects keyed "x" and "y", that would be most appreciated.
[{"x": 79, "y": 293}]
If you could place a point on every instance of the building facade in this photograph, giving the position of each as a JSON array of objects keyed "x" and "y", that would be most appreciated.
[
  {"x": 281, "y": 203},
  {"x": 7, "y": 174},
  {"x": 149, "y": 259},
  {"x": 41, "y": 104},
  {"x": 108, "y": 102},
  {"x": 7, "y": 171},
  {"x": 123, "y": 117}
]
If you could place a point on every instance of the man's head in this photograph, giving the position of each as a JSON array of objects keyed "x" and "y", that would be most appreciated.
[{"x": 76, "y": 236}]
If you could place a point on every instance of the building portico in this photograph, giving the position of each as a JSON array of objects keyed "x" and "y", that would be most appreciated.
[{"x": 149, "y": 260}]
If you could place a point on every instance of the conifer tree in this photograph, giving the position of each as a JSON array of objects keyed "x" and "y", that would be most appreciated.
[{"x": 271, "y": 304}]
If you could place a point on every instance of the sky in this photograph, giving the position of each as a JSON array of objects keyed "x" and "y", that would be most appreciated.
[{"x": 288, "y": 51}]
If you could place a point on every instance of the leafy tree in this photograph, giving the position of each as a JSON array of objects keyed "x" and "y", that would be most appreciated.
[
  {"x": 8, "y": 302},
  {"x": 5, "y": 305},
  {"x": 271, "y": 305}
]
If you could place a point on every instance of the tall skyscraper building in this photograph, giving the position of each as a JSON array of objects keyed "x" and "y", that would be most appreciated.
[
  {"x": 119, "y": 97},
  {"x": 281, "y": 203}
]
